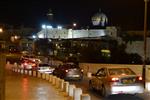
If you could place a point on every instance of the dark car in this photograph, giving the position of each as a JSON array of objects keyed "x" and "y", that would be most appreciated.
[{"x": 69, "y": 72}]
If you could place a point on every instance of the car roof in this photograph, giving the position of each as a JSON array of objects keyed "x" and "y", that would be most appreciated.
[
  {"x": 111, "y": 67},
  {"x": 44, "y": 64},
  {"x": 118, "y": 67}
]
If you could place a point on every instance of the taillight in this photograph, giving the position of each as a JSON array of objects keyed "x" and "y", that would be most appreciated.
[
  {"x": 66, "y": 71},
  {"x": 114, "y": 79},
  {"x": 25, "y": 64},
  {"x": 33, "y": 65},
  {"x": 139, "y": 78}
]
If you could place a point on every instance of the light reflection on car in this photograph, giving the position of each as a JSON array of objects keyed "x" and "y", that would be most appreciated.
[
  {"x": 69, "y": 72},
  {"x": 45, "y": 68},
  {"x": 31, "y": 58},
  {"x": 28, "y": 64},
  {"x": 116, "y": 80}
]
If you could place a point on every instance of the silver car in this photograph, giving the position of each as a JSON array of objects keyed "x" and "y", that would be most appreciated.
[
  {"x": 116, "y": 80},
  {"x": 69, "y": 72},
  {"x": 45, "y": 68}
]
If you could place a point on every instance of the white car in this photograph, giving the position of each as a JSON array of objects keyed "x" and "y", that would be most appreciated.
[
  {"x": 45, "y": 68},
  {"x": 116, "y": 80}
]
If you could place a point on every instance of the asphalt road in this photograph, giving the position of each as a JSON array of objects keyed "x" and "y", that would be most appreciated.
[
  {"x": 23, "y": 87},
  {"x": 95, "y": 95}
]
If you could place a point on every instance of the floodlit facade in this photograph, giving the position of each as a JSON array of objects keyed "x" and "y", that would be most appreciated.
[
  {"x": 95, "y": 33},
  {"x": 83, "y": 33}
]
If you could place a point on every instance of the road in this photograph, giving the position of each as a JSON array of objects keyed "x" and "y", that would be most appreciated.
[
  {"x": 82, "y": 84},
  {"x": 21, "y": 87},
  {"x": 95, "y": 95}
]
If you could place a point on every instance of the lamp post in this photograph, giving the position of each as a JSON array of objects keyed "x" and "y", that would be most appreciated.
[{"x": 145, "y": 41}]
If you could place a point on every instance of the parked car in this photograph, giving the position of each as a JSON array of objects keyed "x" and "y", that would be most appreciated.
[
  {"x": 116, "y": 80},
  {"x": 69, "y": 72},
  {"x": 45, "y": 68}
]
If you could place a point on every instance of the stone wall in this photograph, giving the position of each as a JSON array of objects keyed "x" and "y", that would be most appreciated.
[{"x": 138, "y": 47}]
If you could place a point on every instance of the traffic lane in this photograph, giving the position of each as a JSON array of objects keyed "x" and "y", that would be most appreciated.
[
  {"x": 85, "y": 89},
  {"x": 95, "y": 95},
  {"x": 124, "y": 97},
  {"x": 22, "y": 87}
]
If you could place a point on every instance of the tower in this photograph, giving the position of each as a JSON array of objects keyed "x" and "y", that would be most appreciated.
[
  {"x": 50, "y": 16},
  {"x": 99, "y": 19}
]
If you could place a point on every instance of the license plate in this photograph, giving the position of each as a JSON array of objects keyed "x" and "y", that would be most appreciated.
[
  {"x": 75, "y": 75},
  {"x": 127, "y": 81}
]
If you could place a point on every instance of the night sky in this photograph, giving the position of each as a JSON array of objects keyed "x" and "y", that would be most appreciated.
[{"x": 125, "y": 13}]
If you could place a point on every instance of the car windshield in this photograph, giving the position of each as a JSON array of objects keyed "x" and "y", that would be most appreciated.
[
  {"x": 70, "y": 66},
  {"x": 44, "y": 65},
  {"x": 121, "y": 71}
]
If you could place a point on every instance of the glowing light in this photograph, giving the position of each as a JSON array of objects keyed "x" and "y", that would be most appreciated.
[
  {"x": 33, "y": 36},
  {"x": 140, "y": 78},
  {"x": 82, "y": 70},
  {"x": 41, "y": 36},
  {"x": 1, "y": 30},
  {"x": 59, "y": 27},
  {"x": 49, "y": 27},
  {"x": 43, "y": 26},
  {"x": 74, "y": 24},
  {"x": 16, "y": 37},
  {"x": 106, "y": 51},
  {"x": 114, "y": 79},
  {"x": 66, "y": 71}
]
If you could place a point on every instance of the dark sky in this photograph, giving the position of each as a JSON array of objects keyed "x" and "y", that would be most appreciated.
[{"x": 125, "y": 13}]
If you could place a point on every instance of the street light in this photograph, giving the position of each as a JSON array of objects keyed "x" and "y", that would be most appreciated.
[
  {"x": 1, "y": 30},
  {"x": 145, "y": 41},
  {"x": 74, "y": 25}
]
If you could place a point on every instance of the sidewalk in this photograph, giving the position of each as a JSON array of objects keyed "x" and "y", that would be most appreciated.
[{"x": 21, "y": 87}]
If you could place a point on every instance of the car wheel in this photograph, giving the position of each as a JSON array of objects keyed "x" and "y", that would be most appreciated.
[{"x": 104, "y": 92}]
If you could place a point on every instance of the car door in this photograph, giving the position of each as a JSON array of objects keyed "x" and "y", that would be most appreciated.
[{"x": 100, "y": 78}]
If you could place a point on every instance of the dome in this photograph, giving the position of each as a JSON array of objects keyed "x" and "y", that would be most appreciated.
[{"x": 99, "y": 19}]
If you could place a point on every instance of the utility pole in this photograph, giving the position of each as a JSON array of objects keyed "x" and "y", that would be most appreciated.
[
  {"x": 2, "y": 76},
  {"x": 145, "y": 41}
]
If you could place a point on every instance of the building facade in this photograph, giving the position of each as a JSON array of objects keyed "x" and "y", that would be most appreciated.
[{"x": 55, "y": 33}]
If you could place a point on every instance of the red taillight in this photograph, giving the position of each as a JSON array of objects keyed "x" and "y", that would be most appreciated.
[
  {"x": 25, "y": 64},
  {"x": 114, "y": 79}
]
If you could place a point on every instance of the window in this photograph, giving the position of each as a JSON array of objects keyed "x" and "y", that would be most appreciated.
[{"x": 101, "y": 72}]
